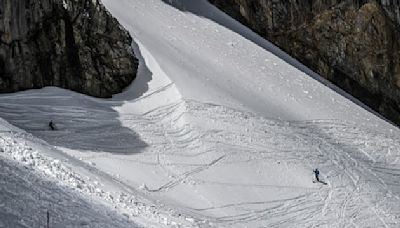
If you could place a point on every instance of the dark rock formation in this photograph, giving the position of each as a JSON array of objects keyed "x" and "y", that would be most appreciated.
[
  {"x": 355, "y": 44},
  {"x": 73, "y": 44}
]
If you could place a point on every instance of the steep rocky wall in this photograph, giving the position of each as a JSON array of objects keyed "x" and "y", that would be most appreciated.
[
  {"x": 355, "y": 44},
  {"x": 73, "y": 44}
]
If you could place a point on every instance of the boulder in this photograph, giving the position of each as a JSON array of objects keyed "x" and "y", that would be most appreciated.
[{"x": 73, "y": 44}]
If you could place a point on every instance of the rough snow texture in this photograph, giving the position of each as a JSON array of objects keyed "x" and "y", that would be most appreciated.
[
  {"x": 27, "y": 192},
  {"x": 33, "y": 184},
  {"x": 211, "y": 135},
  {"x": 26, "y": 197}
]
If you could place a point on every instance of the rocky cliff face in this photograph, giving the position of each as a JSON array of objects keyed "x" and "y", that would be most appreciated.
[
  {"x": 73, "y": 44},
  {"x": 355, "y": 44}
]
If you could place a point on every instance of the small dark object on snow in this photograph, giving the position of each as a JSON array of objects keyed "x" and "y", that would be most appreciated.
[
  {"x": 316, "y": 172},
  {"x": 51, "y": 125},
  {"x": 48, "y": 219}
]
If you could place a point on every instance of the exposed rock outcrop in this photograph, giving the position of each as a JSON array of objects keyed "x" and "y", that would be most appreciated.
[
  {"x": 73, "y": 44},
  {"x": 355, "y": 44}
]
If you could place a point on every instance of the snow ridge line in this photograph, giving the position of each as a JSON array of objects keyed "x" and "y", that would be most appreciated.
[{"x": 21, "y": 152}]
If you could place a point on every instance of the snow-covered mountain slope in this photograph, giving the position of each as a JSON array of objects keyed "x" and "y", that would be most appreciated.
[
  {"x": 26, "y": 197},
  {"x": 216, "y": 131}
]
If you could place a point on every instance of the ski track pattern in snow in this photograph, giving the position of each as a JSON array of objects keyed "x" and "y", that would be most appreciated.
[
  {"x": 229, "y": 167},
  {"x": 26, "y": 196},
  {"x": 33, "y": 183},
  {"x": 214, "y": 132}
]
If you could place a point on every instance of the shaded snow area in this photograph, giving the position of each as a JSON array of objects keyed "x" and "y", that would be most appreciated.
[
  {"x": 26, "y": 197},
  {"x": 218, "y": 130},
  {"x": 34, "y": 184}
]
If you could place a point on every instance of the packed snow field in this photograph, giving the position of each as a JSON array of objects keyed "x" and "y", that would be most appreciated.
[{"x": 216, "y": 131}]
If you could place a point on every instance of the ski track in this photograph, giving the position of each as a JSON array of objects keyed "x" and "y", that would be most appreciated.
[
  {"x": 174, "y": 161},
  {"x": 183, "y": 147},
  {"x": 111, "y": 208}
]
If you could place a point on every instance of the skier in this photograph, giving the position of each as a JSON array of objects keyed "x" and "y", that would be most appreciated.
[
  {"x": 316, "y": 172},
  {"x": 51, "y": 125}
]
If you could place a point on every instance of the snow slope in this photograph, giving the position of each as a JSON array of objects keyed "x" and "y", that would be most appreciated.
[
  {"x": 26, "y": 197},
  {"x": 37, "y": 178},
  {"x": 216, "y": 131}
]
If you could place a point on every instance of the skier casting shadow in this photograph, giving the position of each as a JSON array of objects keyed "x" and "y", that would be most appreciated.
[
  {"x": 316, "y": 172},
  {"x": 52, "y": 126}
]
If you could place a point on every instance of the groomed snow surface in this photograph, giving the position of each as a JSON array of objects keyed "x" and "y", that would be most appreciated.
[{"x": 216, "y": 131}]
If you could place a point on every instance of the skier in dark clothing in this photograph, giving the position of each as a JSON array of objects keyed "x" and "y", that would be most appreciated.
[
  {"x": 51, "y": 125},
  {"x": 316, "y": 172}
]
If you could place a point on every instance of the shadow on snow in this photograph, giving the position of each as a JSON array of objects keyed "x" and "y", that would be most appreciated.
[
  {"x": 26, "y": 197},
  {"x": 203, "y": 8},
  {"x": 82, "y": 122}
]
